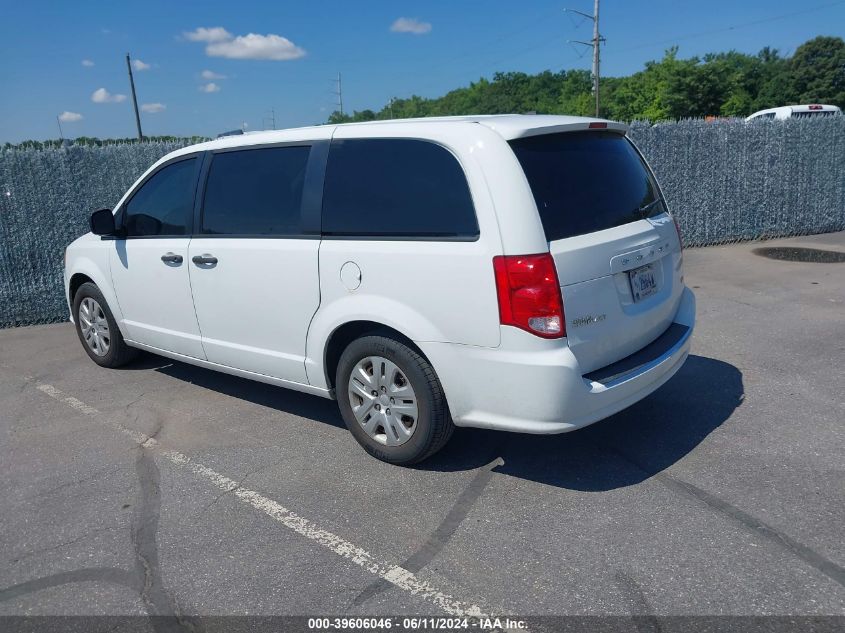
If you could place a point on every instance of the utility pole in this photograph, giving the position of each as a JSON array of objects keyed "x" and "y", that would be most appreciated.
[
  {"x": 61, "y": 134},
  {"x": 595, "y": 43},
  {"x": 134, "y": 98},
  {"x": 271, "y": 118},
  {"x": 339, "y": 93},
  {"x": 596, "y": 46}
]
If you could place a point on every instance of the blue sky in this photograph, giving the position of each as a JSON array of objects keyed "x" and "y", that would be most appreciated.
[{"x": 438, "y": 46}]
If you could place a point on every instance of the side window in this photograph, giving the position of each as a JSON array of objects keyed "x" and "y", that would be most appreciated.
[
  {"x": 396, "y": 188},
  {"x": 163, "y": 204},
  {"x": 255, "y": 192}
]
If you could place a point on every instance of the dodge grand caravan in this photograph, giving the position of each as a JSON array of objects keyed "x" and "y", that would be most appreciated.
[{"x": 519, "y": 273}]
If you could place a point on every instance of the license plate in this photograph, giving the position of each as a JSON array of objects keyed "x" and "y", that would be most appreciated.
[{"x": 643, "y": 282}]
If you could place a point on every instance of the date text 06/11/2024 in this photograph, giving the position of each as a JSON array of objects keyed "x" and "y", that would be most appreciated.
[{"x": 414, "y": 624}]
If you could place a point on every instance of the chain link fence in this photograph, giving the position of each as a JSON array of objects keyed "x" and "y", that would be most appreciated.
[
  {"x": 46, "y": 198},
  {"x": 726, "y": 181}
]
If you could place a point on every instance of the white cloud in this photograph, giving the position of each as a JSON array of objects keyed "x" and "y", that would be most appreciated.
[
  {"x": 203, "y": 34},
  {"x": 70, "y": 117},
  {"x": 87, "y": 63},
  {"x": 137, "y": 64},
  {"x": 152, "y": 108},
  {"x": 254, "y": 46},
  {"x": 209, "y": 87},
  {"x": 410, "y": 25},
  {"x": 210, "y": 74},
  {"x": 220, "y": 43},
  {"x": 101, "y": 95}
]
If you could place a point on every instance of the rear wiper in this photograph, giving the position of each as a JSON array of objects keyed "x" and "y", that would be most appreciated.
[{"x": 648, "y": 206}]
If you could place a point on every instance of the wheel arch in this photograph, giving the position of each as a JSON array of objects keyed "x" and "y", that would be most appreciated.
[
  {"x": 344, "y": 334},
  {"x": 90, "y": 267},
  {"x": 76, "y": 280}
]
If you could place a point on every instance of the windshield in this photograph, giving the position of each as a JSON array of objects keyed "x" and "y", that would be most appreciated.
[
  {"x": 587, "y": 181},
  {"x": 814, "y": 113}
]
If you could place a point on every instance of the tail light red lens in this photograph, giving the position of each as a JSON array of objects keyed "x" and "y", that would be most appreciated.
[{"x": 529, "y": 294}]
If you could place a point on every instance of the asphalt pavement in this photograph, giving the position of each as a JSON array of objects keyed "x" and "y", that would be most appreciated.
[{"x": 162, "y": 488}]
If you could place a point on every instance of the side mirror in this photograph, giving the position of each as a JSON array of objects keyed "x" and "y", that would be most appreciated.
[{"x": 102, "y": 222}]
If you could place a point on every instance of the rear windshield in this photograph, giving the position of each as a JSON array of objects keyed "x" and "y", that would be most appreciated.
[
  {"x": 806, "y": 114},
  {"x": 586, "y": 181}
]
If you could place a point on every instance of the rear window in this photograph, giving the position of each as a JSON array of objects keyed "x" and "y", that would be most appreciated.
[
  {"x": 586, "y": 181},
  {"x": 396, "y": 188},
  {"x": 806, "y": 114}
]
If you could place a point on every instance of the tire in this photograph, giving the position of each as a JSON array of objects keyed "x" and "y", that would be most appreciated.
[
  {"x": 430, "y": 428},
  {"x": 112, "y": 351}
]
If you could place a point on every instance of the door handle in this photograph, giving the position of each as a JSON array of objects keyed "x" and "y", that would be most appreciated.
[
  {"x": 204, "y": 260},
  {"x": 171, "y": 258}
]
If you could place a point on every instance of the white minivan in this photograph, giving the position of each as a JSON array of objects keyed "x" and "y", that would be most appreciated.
[
  {"x": 783, "y": 113},
  {"x": 515, "y": 272}
]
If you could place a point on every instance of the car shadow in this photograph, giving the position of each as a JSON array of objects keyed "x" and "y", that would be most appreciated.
[
  {"x": 622, "y": 450},
  {"x": 297, "y": 403}
]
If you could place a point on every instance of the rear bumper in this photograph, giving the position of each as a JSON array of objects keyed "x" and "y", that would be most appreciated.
[{"x": 531, "y": 385}]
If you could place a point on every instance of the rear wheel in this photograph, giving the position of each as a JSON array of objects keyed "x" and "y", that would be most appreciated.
[
  {"x": 97, "y": 329},
  {"x": 392, "y": 401}
]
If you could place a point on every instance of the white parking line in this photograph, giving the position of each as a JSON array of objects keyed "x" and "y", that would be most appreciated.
[{"x": 394, "y": 574}]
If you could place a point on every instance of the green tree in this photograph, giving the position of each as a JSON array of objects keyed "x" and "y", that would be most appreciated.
[
  {"x": 576, "y": 93},
  {"x": 646, "y": 94},
  {"x": 338, "y": 117},
  {"x": 718, "y": 84},
  {"x": 775, "y": 87},
  {"x": 817, "y": 71}
]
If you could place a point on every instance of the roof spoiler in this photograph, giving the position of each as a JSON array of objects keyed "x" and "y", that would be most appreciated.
[{"x": 610, "y": 126}]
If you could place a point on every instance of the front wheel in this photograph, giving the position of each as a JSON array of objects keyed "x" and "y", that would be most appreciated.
[
  {"x": 392, "y": 401},
  {"x": 97, "y": 329}
]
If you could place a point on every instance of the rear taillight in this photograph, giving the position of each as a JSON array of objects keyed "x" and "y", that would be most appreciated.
[{"x": 529, "y": 294}]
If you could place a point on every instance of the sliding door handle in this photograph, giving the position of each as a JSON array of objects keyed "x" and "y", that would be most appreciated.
[{"x": 204, "y": 260}]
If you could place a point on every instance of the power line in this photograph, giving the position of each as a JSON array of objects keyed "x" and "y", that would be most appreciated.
[
  {"x": 481, "y": 49},
  {"x": 589, "y": 44},
  {"x": 741, "y": 25},
  {"x": 721, "y": 30}
]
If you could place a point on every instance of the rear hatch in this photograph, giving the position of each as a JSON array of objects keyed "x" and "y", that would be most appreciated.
[{"x": 615, "y": 247}]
